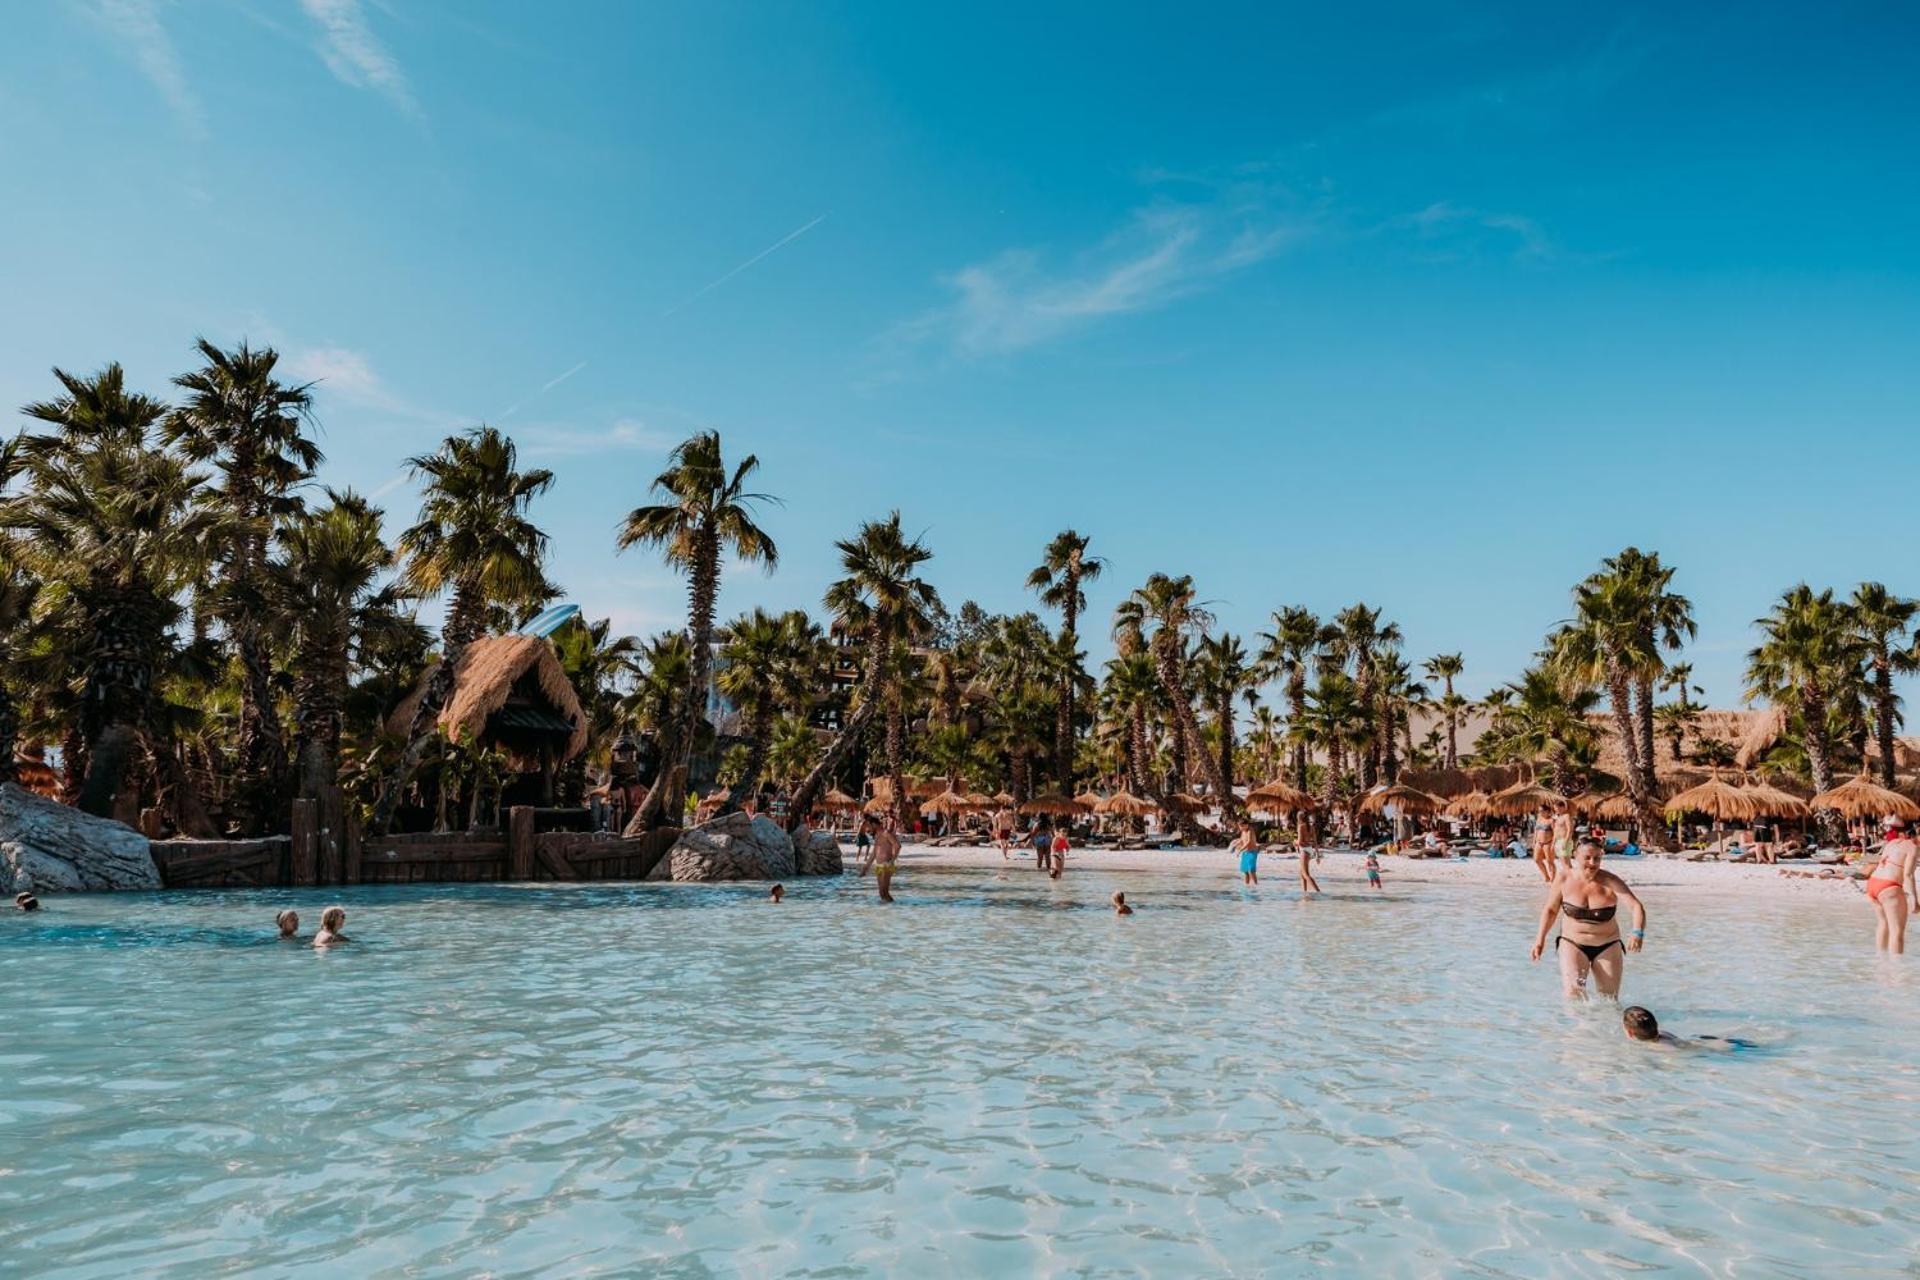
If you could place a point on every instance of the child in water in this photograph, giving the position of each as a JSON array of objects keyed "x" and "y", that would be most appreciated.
[
  {"x": 778, "y": 892},
  {"x": 288, "y": 922},
  {"x": 330, "y": 922},
  {"x": 1373, "y": 869},
  {"x": 1640, "y": 1024},
  {"x": 1120, "y": 907}
]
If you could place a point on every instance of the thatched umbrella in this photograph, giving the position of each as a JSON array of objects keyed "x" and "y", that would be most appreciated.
[
  {"x": 947, "y": 804},
  {"x": 1054, "y": 805},
  {"x": 1185, "y": 802},
  {"x": 1523, "y": 797},
  {"x": 1408, "y": 800},
  {"x": 1587, "y": 803},
  {"x": 1278, "y": 797},
  {"x": 1091, "y": 799},
  {"x": 1859, "y": 798},
  {"x": 1715, "y": 799},
  {"x": 1126, "y": 805},
  {"x": 1617, "y": 807},
  {"x": 1002, "y": 798},
  {"x": 31, "y": 770},
  {"x": 1471, "y": 805},
  {"x": 1773, "y": 802},
  {"x": 838, "y": 801},
  {"x": 980, "y": 800}
]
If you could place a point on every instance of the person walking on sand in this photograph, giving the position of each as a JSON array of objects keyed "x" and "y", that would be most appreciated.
[
  {"x": 1248, "y": 848},
  {"x": 1543, "y": 848},
  {"x": 884, "y": 857},
  {"x": 1890, "y": 888},
  {"x": 1585, "y": 900},
  {"x": 1003, "y": 831},
  {"x": 1373, "y": 869}
]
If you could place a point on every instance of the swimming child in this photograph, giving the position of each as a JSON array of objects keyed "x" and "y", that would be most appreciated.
[
  {"x": 330, "y": 921},
  {"x": 26, "y": 902},
  {"x": 1120, "y": 907},
  {"x": 1640, "y": 1024},
  {"x": 1373, "y": 869},
  {"x": 1248, "y": 848},
  {"x": 778, "y": 892},
  {"x": 288, "y": 922}
]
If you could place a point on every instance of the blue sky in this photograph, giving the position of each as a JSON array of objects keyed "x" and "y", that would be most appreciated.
[{"x": 1430, "y": 305}]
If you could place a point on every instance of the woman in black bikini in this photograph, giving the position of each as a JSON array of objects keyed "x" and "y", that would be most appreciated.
[{"x": 1585, "y": 899}]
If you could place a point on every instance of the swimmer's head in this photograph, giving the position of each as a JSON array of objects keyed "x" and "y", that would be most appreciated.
[
  {"x": 26, "y": 902},
  {"x": 778, "y": 892},
  {"x": 1640, "y": 1024},
  {"x": 332, "y": 918},
  {"x": 289, "y": 922}
]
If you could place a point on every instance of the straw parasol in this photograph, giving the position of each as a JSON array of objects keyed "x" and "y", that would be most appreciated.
[
  {"x": 1587, "y": 803},
  {"x": 1471, "y": 805},
  {"x": 946, "y": 804},
  {"x": 1523, "y": 797},
  {"x": 838, "y": 801},
  {"x": 1404, "y": 799},
  {"x": 1278, "y": 797},
  {"x": 1002, "y": 798},
  {"x": 1055, "y": 805},
  {"x": 1617, "y": 807},
  {"x": 980, "y": 800},
  {"x": 1714, "y": 798},
  {"x": 1091, "y": 799},
  {"x": 1126, "y": 805},
  {"x": 1773, "y": 802},
  {"x": 1859, "y": 798},
  {"x": 1184, "y": 802}
]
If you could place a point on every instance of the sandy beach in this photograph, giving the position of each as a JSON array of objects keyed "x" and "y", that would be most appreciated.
[{"x": 1668, "y": 875}]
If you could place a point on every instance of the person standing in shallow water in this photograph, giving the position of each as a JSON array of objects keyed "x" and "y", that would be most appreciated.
[
  {"x": 1042, "y": 841},
  {"x": 1890, "y": 888},
  {"x": 1585, "y": 900},
  {"x": 1248, "y": 848},
  {"x": 884, "y": 857},
  {"x": 1307, "y": 883},
  {"x": 1003, "y": 831},
  {"x": 1543, "y": 848}
]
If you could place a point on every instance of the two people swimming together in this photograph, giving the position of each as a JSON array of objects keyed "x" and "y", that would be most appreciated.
[{"x": 332, "y": 920}]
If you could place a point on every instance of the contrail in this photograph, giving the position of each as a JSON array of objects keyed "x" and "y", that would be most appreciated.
[
  {"x": 547, "y": 386},
  {"x": 777, "y": 245}
]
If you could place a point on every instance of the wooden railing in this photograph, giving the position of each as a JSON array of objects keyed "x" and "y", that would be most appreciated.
[{"x": 327, "y": 847}]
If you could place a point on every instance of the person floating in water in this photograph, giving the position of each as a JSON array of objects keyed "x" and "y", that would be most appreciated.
[
  {"x": 1373, "y": 869},
  {"x": 778, "y": 892},
  {"x": 26, "y": 901},
  {"x": 1590, "y": 939},
  {"x": 1640, "y": 1024},
  {"x": 884, "y": 857},
  {"x": 1120, "y": 907},
  {"x": 288, "y": 922},
  {"x": 1248, "y": 848},
  {"x": 331, "y": 921},
  {"x": 1890, "y": 888}
]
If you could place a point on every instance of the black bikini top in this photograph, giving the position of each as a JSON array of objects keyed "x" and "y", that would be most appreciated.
[{"x": 1591, "y": 915}]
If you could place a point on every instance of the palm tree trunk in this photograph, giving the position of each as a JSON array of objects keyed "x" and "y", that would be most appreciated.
[
  {"x": 760, "y": 732},
  {"x": 897, "y": 757},
  {"x": 1643, "y": 725},
  {"x": 1137, "y": 768},
  {"x": 666, "y": 799},
  {"x": 1187, "y": 725},
  {"x": 850, "y": 730},
  {"x": 1653, "y": 828},
  {"x": 1453, "y": 728},
  {"x": 1296, "y": 710},
  {"x": 1883, "y": 715},
  {"x": 9, "y": 734},
  {"x": 1223, "y": 711},
  {"x": 1813, "y": 719}
]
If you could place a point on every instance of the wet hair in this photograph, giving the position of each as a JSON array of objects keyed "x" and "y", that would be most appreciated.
[
  {"x": 1119, "y": 899},
  {"x": 776, "y": 891},
  {"x": 1640, "y": 1023},
  {"x": 287, "y": 913},
  {"x": 26, "y": 902},
  {"x": 333, "y": 917}
]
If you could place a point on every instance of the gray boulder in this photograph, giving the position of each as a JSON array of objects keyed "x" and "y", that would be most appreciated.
[
  {"x": 820, "y": 856},
  {"x": 49, "y": 847},
  {"x": 731, "y": 847}
]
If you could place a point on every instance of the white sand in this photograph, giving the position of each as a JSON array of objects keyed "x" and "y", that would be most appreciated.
[{"x": 1669, "y": 874}]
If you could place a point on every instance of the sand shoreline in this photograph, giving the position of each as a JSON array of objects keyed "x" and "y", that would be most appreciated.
[{"x": 1344, "y": 864}]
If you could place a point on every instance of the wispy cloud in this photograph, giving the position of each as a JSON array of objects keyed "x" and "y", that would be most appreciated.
[
  {"x": 767, "y": 252},
  {"x": 1456, "y": 231},
  {"x": 545, "y": 387},
  {"x": 625, "y": 434},
  {"x": 355, "y": 55},
  {"x": 1164, "y": 252},
  {"x": 348, "y": 377},
  {"x": 135, "y": 25}
]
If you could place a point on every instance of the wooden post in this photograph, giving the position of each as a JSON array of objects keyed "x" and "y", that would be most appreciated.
[
  {"x": 306, "y": 840},
  {"x": 350, "y": 847},
  {"x": 151, "y": 822},
  {"x": 520, "y": 842},
  {"x": 333, "y": 833}
]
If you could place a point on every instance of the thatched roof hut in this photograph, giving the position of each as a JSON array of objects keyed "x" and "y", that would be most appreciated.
[{"x": 511, "y": 693}]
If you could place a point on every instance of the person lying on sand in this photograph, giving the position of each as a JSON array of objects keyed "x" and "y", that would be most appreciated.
[{"x": 330, "y": 922}]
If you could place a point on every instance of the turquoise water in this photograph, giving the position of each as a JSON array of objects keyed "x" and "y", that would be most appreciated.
[{"x": 994, "y": 1077}]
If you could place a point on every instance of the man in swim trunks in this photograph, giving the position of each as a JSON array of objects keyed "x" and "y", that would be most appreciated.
[
  {"x": 1890, "y": 888},
  {"x": 885, "y": 857},
  {"x": 1248, "y": 848},
  {"x": 1003, "y": 831}
]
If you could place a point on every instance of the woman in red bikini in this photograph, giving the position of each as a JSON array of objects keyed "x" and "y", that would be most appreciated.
[{"x": 1890, "y": 889}]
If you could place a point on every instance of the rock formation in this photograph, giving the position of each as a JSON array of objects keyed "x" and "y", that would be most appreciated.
[{"x": 49, "y": 847}]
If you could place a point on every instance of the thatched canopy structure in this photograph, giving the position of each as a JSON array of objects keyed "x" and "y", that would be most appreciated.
[
  {"x": 510, "y": 693},
  {"x": 1772, "y": 802},
  {"x": 1403, "y": 798},
  {"x": 947, "y": 804},
  {"x": 1002, "y": 797},
  {"x": 1278, "y": 797},
  {"x": 1054, "y": 805},
  {"x": 1185, "y": 802},
  {"x": 31, "y": 770},
  {"x": 881, "y": 788},
  {"x": 1860, "y": 798},
  {"x": 1091, "y": 799},
  {"x": 1471, "y": 805},
  {"x": 1523, "y": 797},
  {"x": 1127, "y": 805},
  {"x": 1713, "y": 798}
]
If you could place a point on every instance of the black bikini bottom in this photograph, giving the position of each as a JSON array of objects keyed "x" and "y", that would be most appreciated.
[{"x": 1592, "y": 953}]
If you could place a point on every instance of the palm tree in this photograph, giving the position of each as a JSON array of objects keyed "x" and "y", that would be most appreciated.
[
  {"x": 1603, "y": 645},
  {"x": 1361, "y": 640},
  {"x": 1809, "y": 643},
  {"x": 1335, "y": 721},
  {"x": 323, "y": 589},
  {"x": 249, "y": 425},
  {"x": 473, "y": 539},
  {"x": 1297, "y": 640},
  {"x": 1664, "y": 621},
  {"x": 1264, "y": 738},
  {"x": 1444, "y": 667},
  {"x": 708, "y": 511},
  {"x": 116, "y": 532},
  {"x": 1058, "y": 577},
  {"x": 1133, "y": 690},
  {"x": 1885, "y": 622},
  {"x": 1399, "y": 695},
  {"x": 1164, "y": 612},
  {"x": 770, "y": 664},
  {"x": 602, "y": 669},
  {"x": 18, "y": 590},
  {"x": 1222, "y": 674},
  {"x": 1545, "y": 718},
  {"x": 881, "y": 599}
]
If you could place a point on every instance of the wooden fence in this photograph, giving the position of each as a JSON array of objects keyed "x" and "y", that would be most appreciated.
[{"x": 326, "y": 847}]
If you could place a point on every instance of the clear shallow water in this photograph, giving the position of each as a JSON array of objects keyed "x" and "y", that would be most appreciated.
[{"x": 995, "y": 1076}]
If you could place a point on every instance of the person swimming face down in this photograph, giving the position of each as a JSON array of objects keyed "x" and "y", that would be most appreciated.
[{"x": 1639, "y": 1023}]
